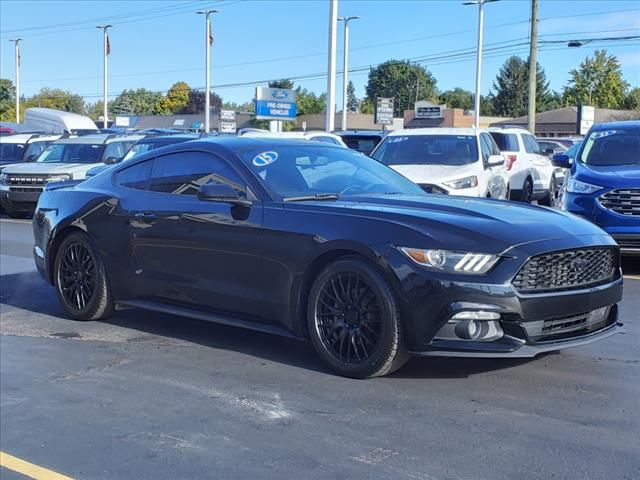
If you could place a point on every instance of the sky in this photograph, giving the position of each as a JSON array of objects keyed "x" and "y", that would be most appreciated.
[{"x": 156, "y": 43}]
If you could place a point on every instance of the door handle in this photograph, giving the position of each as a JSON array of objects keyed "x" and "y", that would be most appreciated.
[{"x": 146, "y": 217}]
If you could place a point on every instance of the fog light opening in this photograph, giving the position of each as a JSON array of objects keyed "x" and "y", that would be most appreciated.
[
  {"x": 468, "y": 329},
  {"x": 478, "y": 326}
]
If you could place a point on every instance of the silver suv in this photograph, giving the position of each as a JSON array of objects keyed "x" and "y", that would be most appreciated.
[{"x": 66, "y": 159}]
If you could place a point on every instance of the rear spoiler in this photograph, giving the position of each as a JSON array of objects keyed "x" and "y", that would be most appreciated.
[{"x": 60, "y": 185}]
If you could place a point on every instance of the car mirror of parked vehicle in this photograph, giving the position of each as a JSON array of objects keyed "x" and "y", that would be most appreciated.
[
  {"x": 221, "y": 192},
  {"x": 561, "y": 160},
  {"x": 495, "y": 161},
  {"x": 111, "y": 160},
  {"x": 548, "y": 151}
]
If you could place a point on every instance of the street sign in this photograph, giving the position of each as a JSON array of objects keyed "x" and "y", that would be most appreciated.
[
  {"x": 228, "y": 115},
  {"x": 586, "y": 118},
  {"x": 227, "y": 127},
  {"x": 275, "y": 104},
  {"x": 122, "y": 122},
  {"x": 383, "y": 114}
]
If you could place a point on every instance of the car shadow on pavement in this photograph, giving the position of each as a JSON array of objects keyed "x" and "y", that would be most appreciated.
[{"x": 29, "y": 292}]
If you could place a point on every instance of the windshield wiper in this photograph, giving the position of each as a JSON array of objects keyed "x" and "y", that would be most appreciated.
[{"x": 317, "y": 196}]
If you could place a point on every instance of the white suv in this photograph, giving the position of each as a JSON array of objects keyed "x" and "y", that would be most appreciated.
[
  {"x": 65, "y": 159},
  {"x": 531, "y": 174},
  {"x": 24, "y": 147},
  {"x": 457, "y": 161}
]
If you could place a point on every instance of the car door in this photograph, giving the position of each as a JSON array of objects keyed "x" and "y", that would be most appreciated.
[
  {"x": 199, "y": 253},
  {"x": 543, "y": 169},
  {"x": 495, "y": 181}
]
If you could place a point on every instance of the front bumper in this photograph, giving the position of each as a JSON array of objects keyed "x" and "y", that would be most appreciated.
[
  {"x": 20, "y": 198},
  {"x": 430, "y": 300}
]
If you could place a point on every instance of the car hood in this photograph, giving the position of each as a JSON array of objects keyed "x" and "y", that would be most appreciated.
[
  {"x": 436, "y": 173},
  {"x": 463, "y": 223},
  {"x": 619, "y": 176},
  {"x": 43, "y": 168}
]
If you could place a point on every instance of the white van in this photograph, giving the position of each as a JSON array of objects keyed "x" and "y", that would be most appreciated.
[{"x": 57, "y": 121}]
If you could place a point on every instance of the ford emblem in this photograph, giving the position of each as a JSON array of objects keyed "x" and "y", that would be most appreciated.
[{"x": 279, "y": 94}]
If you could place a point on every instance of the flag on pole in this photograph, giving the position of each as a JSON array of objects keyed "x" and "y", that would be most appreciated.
[
  {"x": 108, "y": 46},
  {"x": 210, "y": 35}
]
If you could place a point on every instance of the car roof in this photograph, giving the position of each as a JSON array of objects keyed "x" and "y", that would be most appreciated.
[
  {"x": 26, "y": 137},
  {"x": 181, "y": 137},
  {"x": 241, "y": 143},
  {"x": 364, "y": 133},
  {"x": 100, "y": 138},
  {"x": 629, "y": 124},
  {"x": 509, "y": 130},
  {"x": 436, "y": 131}
]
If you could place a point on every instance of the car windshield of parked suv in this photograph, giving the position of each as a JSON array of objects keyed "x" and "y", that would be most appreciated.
[
  {"x": 11, "y": 152},
  {"x": 72, "y": 153},
  {"x": 427, "y": 150},
  {"x": 612, "y": 147},
  {"x": 298, "y": 171}
]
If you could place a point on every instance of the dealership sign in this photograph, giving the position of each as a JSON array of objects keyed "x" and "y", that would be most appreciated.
[
  {"x": 586, "y": 118},
  {"x": 227, "y": 121},
  {"x": 275, "y": 104},
  {"x": 383, "y": 114},
  {"x": 429, "y": 111}
]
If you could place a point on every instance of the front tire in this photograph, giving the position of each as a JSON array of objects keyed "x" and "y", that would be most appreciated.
[
  {"x": 549, "y": 200},
  {"x": 354, "y": 320},
  {"x": 81, "y": 280}
]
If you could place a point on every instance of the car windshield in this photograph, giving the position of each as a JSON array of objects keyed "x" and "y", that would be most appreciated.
[
  {"x": 300, "y": 171},
  {"x": 140, "y": 148},
  {"x": 427, "y": 150},
  {"x": 11, "y": 152},
  {"x": 72, "y": 153},
  {"x": 612, "y": 147},
  {"x": 362, "y": 143}
]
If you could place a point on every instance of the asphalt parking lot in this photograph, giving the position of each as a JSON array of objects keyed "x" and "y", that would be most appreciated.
[{"x": 152, "y": 396}]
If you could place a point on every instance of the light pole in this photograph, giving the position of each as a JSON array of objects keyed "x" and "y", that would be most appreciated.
[
  {"x": 208, "y": 40},
  {"x": 476, "y": 113},
  {"x": 17, "y": 44},
  {"x": 106, "y": 50},
  {"x": 345, "y": 66},
  {"x": 331, "y": 68}
]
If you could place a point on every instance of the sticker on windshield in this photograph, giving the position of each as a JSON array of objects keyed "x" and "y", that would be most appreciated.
[
  {"x": 606, "y": 133},
  {"x": 265, "y": 158},
  {"x": 398, "y": 139}
]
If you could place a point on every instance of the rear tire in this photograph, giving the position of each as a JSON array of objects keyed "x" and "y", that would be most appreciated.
[
  {"x": 81, "y": 280},
  {"x": 549, "y": 199},
  {"x": 354, "y": 321},
  {"x": 527, "y": 191}
]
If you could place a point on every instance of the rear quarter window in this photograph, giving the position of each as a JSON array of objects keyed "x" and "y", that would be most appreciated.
[
  {"x": 507, "y": 142},
  {"x": 135, "y": 176}
]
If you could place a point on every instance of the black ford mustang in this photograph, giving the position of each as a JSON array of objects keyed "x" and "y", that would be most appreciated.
[{"x": 325, "y": 243}]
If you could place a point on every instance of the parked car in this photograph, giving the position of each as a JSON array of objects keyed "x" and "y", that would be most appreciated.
[
  {"x": 147, "y": 144},
  {"x": 531, "y": 174},
  {"x": 568, "y": 141},
  {"x": 551, "y": 147},
  {"x": 325, "y": 137},
  {"x": 364, "y": 141},
  {"x": 58, "y": 121},
  {"x": 65, "y": 159},
  {"x": 22, "y": 147},
  {"x": 604, "y": 181},
  {"x": 458, "y": 161},
  {"x": 321, "y": 242}
]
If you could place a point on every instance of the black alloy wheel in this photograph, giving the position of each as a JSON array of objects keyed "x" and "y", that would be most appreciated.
[
  {"x": 80, "y": 279},
  {"x": 354, "y": 320},
  {"x": 527, "y": 191}
]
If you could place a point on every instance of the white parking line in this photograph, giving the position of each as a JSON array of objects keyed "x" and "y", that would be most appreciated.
[
  {"x": 632, "y": 277},
  {"x": 11, "y": 220}
]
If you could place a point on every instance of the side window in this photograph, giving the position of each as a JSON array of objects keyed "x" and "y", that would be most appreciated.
[
  {"x": 493, "y": 147},
  {"x": 485, "y": 147},
  {"x": 113, "y": 150},
  {"x": 530, "y": 144},
  {"x": 183, "y": 173},
  {"x": 325, "y": 140},
  {"x": 135, "y": 176}
]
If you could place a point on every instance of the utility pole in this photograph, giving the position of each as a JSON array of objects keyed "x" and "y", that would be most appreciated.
[
  {"x": 208, "y": 40},
  {"x": 345, "y": 67},
  {"x": 16, "y": 41},
  {"x": 331, "y": 68},
  {"x": 106, "y": 50},
  {"x": 533, "y": 67},
  {"x": 476, "y": 108}
]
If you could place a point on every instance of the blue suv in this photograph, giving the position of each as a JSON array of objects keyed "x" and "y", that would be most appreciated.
[{"x": 604, "y": 181}]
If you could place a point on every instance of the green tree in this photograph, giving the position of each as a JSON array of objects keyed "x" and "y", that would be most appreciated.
[
  {"x": 366, "y": 106},
  {"x": 308, "y": 102},
  {"x": 632, "y": 100},
  {"x": 352, "y": 100},
  {"x": 196, "y": 103},
  {"x": 457, "y": 98},
  {"x": 406, "y": 82},
  {"x": 135, "y": 102},
  {"x": 282, "y": 83},
  {"x": 176, "y": 99},
  {"x": 487, "y": 105},
  {"x": 7, "y": 100},
  {"x": 57, "y": 99},
  {"x": 512, "y": 85},
  {"x": 597, "y": 81}
]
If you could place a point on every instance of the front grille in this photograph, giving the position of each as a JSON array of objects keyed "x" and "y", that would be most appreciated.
[
  {"x": 559, "y": 328},
  {"x": 427, "y": 187},
  {"x": 624, "y": 201},
  {"x": 567, "y": 270},
  {"x": 28, "y": 180}
]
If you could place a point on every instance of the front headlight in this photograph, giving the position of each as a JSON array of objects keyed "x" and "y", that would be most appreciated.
[
  {"x": 59, "y": 178},
  {"x": 453, "y": 262},
  {"x": 467, "y": 182},
  {"x": 3, "y": 178},
  {"x": 576, "y": 186}
]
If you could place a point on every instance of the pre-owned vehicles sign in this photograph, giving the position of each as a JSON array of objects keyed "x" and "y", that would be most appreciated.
[{"x": 275, "y": 104}]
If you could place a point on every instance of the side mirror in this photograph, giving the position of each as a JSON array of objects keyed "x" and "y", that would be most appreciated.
[
  {"x": 495, "y": 161},
  {"x": 111, "y": 160},
  {"x": 548, "y": 151},
  {"x": 221, "y": 192},
  {"x": 561, "y": 160}
]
